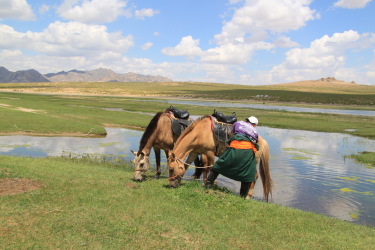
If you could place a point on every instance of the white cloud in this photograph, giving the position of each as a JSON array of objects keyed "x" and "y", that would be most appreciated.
[
  {"x": 146, "y": 46},
  {"x": 234, "y": 53},
  {"x": 325, "y": 57},
  {"x": 16, "y": 9},
  {"x": 187, "y": 47},
  {"x": 141, "y": 14},
  {"x": 92, "y": 11},
  {"x": 257, "y": 18},
  {"x": 247, "y": 31},
  {"x": 67, "y": 39},
  {"x": 9, "y": 38},
  {"x": 284, "y": 42},
  {"x": 352, "y": 4}
]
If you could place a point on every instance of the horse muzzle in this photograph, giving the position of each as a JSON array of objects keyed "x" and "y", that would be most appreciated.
[{"x": 174, "y": 181}]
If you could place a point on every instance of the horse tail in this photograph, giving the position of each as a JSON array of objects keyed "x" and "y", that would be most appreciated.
[{"x": 264, "y": 169}]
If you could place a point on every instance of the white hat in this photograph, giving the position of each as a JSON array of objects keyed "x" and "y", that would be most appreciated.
[{"x": 253, "y": 120}]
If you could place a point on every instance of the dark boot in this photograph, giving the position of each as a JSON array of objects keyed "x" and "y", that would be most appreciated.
[
  {"x": 245, "y": 187},
  {"x": 211, "y": 179}
]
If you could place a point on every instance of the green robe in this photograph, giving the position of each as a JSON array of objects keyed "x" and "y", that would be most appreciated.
[{"x": 237, "y": 164}]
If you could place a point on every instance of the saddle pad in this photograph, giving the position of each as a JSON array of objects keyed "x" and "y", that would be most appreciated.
[
  {"x": 179, "y": 125},
  {"x": 222, "y": 131}
]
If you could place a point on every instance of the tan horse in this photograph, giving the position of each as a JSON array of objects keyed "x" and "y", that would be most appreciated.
[
  {"x": 199, "y": 138},
  {"x": 158, "y": 136}
]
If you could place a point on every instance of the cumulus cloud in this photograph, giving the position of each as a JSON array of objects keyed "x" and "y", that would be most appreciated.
[
  {"x": 187, "y": 47},
  {"x": 67, "y": 39},
  {"x": 284, "y": 42},
  {"x": 234, "y": 53},
  {"x": 141, "y": 14},
  {"x": 324, "y": 57},
  {"x": 256, "y": 18},
  {"x": 92, "y": 11},
  {"x": 16, "y": 9},
  {"x": 352, "y": 4},
  {"x": 254, "y": 26}
]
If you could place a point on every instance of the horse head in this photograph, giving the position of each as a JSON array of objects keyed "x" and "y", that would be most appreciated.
[
  {"x": 141, "y": 165},
  {"x": 176, "y": 170}
]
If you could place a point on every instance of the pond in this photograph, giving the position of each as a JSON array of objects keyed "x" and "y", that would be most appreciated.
[{"x": 309, "y": 169}]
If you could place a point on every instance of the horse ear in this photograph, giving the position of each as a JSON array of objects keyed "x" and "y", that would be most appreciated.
[{"x": 135, "y": 153}]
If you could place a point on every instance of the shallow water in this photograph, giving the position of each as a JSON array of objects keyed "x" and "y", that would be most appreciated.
[
  {"x": 309, "y": 169},
  {"x": 272, "y": 107}
]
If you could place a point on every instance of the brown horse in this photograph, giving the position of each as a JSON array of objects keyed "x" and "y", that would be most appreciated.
[
  {"x": 158, "y": 135},
  {"x": 199, "y": 138}
]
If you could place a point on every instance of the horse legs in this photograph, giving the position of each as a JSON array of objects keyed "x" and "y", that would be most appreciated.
[
  {"x": 157, "y": 158},
  {"x": 198, "y": 168},
  {"x": 208, "y": 161},
  {"x": 252, "y": 185},
  {"x": 244, "y": 190}
]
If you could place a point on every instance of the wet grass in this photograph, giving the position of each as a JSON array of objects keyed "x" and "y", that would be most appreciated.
[
  {"x": 367, "y": 158},
  {"x": 84, "y": 203}
]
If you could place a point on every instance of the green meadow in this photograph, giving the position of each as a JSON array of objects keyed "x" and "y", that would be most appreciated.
[
  {"x": 89, "y": 204},
  {"x": 93, "y": 203},
  {"x": 82, "y": 115}
]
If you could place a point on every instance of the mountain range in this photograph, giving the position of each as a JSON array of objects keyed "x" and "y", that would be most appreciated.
[{"x": 97, "y": 75}]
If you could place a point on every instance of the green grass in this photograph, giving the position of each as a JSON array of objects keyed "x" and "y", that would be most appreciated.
[
  {"x": 83, "y": 115},
  {"x": 329, "y": 94},
  {"x": 365, "y": 157},
  {"x": 85, "y": 204}
]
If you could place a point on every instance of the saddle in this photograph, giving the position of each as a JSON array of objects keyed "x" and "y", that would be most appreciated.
[
  {"x": 225, "y": 118},
  {"x": 180, "y": 120},
  {"x": 181, "y": 114}
]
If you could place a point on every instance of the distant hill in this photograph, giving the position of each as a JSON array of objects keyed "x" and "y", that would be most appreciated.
[
  {"x": 30, "y": 75},
  {"x": 97, "y": 75},
  {"x": 323, "y": 85},
  {"x": 102, "y": 75}
]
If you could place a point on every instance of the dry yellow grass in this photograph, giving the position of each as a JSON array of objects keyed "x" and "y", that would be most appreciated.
[{"x": 319, "y": 86}]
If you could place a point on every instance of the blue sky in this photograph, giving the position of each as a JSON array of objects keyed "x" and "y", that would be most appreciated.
[{"x": 254, "y": 42}]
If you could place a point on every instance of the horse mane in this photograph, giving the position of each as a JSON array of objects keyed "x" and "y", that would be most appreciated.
[
  {"x": 191, "y": 127},
  {"x": 149, "y": 131}
]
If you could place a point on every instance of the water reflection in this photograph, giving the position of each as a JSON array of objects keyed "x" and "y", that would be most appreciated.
[
  {"x": 118, "y": 141},
  {"x": 308, "y": 168}
]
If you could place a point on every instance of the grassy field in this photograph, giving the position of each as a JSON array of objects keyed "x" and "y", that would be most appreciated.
[
  {"x": 85, "y": 204},
  {"x": 334, "y": 93},
  {"x": 88, "y": 115}
]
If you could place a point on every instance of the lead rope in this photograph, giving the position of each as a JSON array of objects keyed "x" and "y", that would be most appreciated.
[
  {"x": 178, "y": 159},
  {"x": 178, "y": 176}
]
